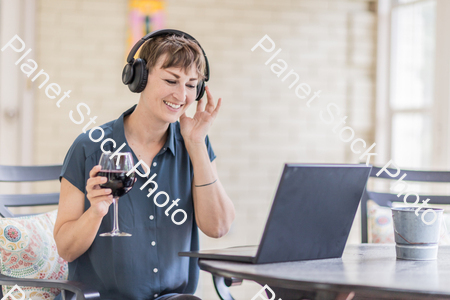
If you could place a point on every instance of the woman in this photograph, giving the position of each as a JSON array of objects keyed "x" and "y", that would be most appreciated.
[{"x": 146, "y": 265}]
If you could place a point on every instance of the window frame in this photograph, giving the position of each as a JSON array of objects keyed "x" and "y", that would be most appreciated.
[{"x": 440, "y": 109}]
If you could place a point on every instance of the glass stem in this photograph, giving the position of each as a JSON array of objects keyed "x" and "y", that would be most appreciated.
[{"x": 116, "y": 214}]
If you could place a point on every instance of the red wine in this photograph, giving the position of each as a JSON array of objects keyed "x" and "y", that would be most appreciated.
[{"x": 118, "y": 182}]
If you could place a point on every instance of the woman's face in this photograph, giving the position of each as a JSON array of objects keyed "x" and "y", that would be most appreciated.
[{"x": 169, "y": 92}]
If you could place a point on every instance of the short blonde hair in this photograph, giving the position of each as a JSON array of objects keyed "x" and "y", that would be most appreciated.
[{"x": 181, "y": 52}]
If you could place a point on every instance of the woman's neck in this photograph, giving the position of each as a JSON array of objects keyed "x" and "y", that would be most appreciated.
[{"x": 140, "y": 127}]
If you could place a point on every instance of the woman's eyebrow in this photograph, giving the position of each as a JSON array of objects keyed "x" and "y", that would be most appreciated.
[{"x": 176, "y": 76}]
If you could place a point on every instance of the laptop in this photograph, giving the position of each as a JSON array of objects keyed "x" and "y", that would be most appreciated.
[{"x": 310, "y": 218}]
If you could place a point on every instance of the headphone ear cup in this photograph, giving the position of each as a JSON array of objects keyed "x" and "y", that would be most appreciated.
[
  {"x": 127, "y": 74},
  {"x": 140, "y": 76},
  {"x": 200, "y": 90}
]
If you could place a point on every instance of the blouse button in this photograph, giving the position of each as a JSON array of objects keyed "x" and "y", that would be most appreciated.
[
  {"x": 153, "y": 243},
  {"x": 154, "y": 164},
  {"x": 155, "y": 270},
  {"x": 151, "y": 217}
]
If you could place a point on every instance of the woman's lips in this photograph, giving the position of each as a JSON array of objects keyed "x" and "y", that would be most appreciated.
[{"x": 172, "y": 106}]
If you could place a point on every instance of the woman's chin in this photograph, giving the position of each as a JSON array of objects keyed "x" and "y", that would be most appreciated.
[
  {"x": 172, "y": 116},
  {"x": 171, "y": 119}
]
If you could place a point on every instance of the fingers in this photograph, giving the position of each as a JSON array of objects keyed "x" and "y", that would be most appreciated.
[
  {"x": 93, "y": 185},
  {"x": 100, "y": 193},
  {"x": 210, "y": 105},
  {"x": 95, "y": 193},
  {"x": 94, "y": 179},
  {"x": 94, "y": 182},
  {"x": 94, "y": 190},
  {"x": 201, "y": 104},
  {"x": 216, "y": 111},
  {"x": 94, "y": 171}
]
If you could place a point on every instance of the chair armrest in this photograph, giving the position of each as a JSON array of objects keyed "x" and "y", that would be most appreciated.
[
  {"x": 74, "y": 290},
  {"x": 221, "y": 287}
]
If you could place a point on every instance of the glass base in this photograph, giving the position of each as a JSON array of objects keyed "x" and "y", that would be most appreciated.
[{"x": 115, "y": 233}]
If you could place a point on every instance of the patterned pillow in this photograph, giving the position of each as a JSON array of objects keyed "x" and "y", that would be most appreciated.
[
  {"x": 379, "y": 222},
  {"x": 381, "y": 229},
  {"x": 28, "y": 250}
]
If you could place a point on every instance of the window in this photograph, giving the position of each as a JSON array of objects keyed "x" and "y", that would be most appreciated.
[
  {"x": 411, "y": 81},
  {"x": 413, "y": 76}
]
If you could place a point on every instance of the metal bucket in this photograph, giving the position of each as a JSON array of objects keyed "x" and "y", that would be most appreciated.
[{"x": 415, "y": 240}]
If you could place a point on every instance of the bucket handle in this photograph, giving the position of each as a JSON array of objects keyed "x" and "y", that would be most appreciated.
[{"x": 442, "y": 221}]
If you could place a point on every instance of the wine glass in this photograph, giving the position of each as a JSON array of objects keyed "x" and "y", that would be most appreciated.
[{"x": 115, "y": 166}]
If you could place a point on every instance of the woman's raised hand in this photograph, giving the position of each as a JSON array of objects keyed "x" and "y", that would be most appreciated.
[
  {"x": 195, "y": 129},
  {"x": 100, "y": 198}
]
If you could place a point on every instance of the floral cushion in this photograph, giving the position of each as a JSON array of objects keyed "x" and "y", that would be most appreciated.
[
  {"x": 28, "y": 250},
  {"x": 379, "y": 223},
  {"x": 381, "y": 229}
]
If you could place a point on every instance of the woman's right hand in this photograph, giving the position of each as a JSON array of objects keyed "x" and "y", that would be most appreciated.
[{"x": 100, "y": 198}]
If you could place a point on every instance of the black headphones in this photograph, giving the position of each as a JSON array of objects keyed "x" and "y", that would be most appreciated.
[{"x": 135, "y": 72}]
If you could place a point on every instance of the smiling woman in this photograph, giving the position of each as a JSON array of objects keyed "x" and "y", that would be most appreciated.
[
  {"x": 172, "y": 82},
  {"x": 169, "y": 75},
  {"x": 166, "y": 89}
]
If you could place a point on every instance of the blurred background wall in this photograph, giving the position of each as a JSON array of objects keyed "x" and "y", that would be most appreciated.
[{"x": 331, "y": 44}]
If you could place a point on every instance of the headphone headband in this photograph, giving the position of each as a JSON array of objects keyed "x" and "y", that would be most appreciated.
[{"x": 130, "y": 58}]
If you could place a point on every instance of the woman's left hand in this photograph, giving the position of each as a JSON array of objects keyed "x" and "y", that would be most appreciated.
[{"x": 194, "y": 129}]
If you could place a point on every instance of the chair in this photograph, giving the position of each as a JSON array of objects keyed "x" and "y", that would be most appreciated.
[
  {"x": 386, "y": 199},
  {"x": 70, "y": 290},
  {"x": 221, "y": 285}
]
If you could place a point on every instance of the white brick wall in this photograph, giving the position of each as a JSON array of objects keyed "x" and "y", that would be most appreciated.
[{"x": 262, "y": 124}]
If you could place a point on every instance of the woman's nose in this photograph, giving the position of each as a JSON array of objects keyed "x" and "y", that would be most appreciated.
[{"x": 180, "y": 93}]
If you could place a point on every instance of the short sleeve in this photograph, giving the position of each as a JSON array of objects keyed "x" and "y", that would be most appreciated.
[
  {"x": 211, "y": 153},
  {"x": 74, "y": 165}
]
